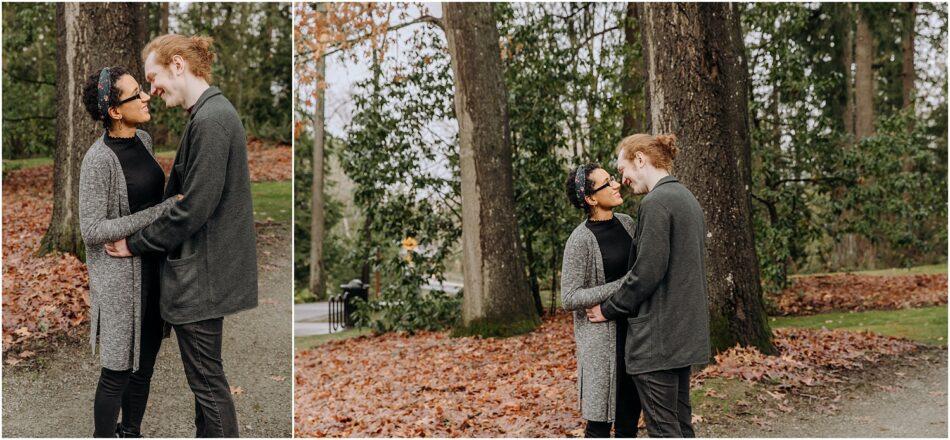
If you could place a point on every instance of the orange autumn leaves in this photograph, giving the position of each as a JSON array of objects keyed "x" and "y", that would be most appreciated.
[
  {"x": 807, "y": 357},
  {"x": 41, "y": 295},
  {"x": 818, "y": 294},
  {"x": 433, "y": 385},
  {"x": 48, "y": 296}
]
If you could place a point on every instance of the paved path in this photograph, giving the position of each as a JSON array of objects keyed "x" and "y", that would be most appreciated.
[
  {"x": 55, "y": 399},
  {"x": 911, "y": 402},
  {"x": 312, "y": 319}
]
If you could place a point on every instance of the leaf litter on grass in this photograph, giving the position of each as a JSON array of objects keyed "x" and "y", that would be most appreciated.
[
  {"x": 809, "y": 295},
  {"x": 396, "y": 385}
]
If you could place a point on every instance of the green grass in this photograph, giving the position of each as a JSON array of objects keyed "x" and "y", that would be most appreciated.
[
  {"x": 16, "y": 164},
  {"x": 30, "y": 162},
  {"x": 927, "y": 325},
  {"x": 307, "y": 342},
  {"x": 929, "y": 269},
  {"x": 272, "y": 200},
  {"x": 917, "y": 270}
]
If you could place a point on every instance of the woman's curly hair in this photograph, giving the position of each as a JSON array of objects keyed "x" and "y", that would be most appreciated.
[
  {"x": 90, "y": 94},
  {"x": 571, "y": 186}
]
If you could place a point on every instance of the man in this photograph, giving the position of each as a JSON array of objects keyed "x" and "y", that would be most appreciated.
[
  {"x": 210, "y": 268},
  {"x": 663, "y": 296}
]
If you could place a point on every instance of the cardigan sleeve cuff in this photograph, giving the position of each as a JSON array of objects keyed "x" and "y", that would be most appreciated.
[
  {"x": 610, "y": 312},
  {"x": 135, "y": 244}
]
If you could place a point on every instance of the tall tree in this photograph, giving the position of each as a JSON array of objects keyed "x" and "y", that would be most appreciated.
[
  {"x": 496, "y": 299},
  {"x": 847, "y": 61},
  {"x": 863, "y": 76},
  {"x": 90, "y": 36},
  {"x": 633, "y": 72},
  {"x": 908, "y": 75},
  {"x": 317, "y": 214},
  {"x": 854, "y": 250},
  {"x": 697, "y": 84},
  {"x": 163, "y": 22}
]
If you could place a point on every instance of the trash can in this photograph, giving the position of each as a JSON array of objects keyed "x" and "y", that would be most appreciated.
[{"x": 352, "y": 290}]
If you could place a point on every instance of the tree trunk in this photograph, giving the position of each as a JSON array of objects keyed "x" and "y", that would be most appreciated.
[
  {"x": 863, "y": 78},
  {"x": 90, "y": 36},
  {"x": 496, "y": 296},
  {"x": 164, "y": 20},
  {"x": 908, "y": 75},
  {"x": 697, "y": 82},
  {"x": 632, "y": 83},
  {"x": 847, "y": 61},
  {"x": 317, "y": 215},
  {"x": 858, "y": 251}
]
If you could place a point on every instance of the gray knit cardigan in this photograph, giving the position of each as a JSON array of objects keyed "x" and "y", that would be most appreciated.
[
  {"x": 582, "y": 286},
  {"x": 115, "y": 284}
]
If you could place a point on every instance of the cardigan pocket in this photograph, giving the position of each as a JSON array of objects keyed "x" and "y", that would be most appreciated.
[
  {"x": 185, "y": 279},
  {"x": 640, "y": 338},
  {"x": 181, "y": 281}
]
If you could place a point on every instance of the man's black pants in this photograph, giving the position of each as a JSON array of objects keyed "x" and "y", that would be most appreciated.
[
  {"x": 665, "y": 399},
  {"x": 200, "y": 346}
]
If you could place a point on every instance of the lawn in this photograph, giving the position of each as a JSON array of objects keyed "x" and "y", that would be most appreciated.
[
  {"x": 16, "y": 164},
  {"x": 272, "y": 200},
  {"x": 896, "y": 271},
  {"x": 927, "y": 324},
  {"x": 307, "y": 342}
]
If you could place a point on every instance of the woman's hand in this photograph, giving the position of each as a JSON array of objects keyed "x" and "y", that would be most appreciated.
[
  {"x": 180, "y": 197},
  {"x": 594, "y": 314},
  {"x": 118, "y": 249}
]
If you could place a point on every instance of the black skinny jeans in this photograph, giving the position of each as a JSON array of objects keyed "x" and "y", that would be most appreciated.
[
  {"x": 665, "y": 397},
  {"x": 628, "y": 401},
  {"x": 200, "y": 346},
  {"x": 128, "y": 390}
]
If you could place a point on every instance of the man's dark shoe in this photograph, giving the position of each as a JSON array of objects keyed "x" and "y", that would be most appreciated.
[{"x": 122, "y": 432}]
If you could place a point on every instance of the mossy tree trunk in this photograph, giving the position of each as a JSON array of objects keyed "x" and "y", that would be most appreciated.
[
  {"x": 697, "y": 85},
  {"x": 497, "y": 299},
  {"x": 90, "y": 36}
]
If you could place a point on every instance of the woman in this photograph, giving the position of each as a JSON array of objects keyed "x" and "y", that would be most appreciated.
[
  {"x": 121, "y": 187},
  {"x": 595, "y": 262}
]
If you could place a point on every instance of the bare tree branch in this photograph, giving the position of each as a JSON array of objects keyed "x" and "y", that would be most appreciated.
[{"x": 359, "y": 39}]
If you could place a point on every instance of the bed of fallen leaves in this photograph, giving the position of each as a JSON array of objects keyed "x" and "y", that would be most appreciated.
[
  {"x": 429, "y": 384},
  {"x": 807, "y": 357},
  {"x": 48, "y": 296},
  {"x": 809, "y": 295}
]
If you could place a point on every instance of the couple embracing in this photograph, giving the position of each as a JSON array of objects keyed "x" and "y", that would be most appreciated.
[
  {"x": 638, "y": 293},
  {"x": 180, "y": 255}
]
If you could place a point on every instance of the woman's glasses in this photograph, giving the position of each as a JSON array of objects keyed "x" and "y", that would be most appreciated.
[
  {"x": 610, "y": 181},
  {"x": 137, "y": 95}
]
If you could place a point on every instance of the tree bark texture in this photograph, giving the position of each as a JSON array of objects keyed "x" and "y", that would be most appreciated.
[
  {"x": 497, "y": 299},
  {"x": 697, "y": 81},
  {"x": 90, "y": 36}
]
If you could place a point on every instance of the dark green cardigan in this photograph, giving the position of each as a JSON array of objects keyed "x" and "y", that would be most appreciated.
[
  {"x": 211, "y": 265},
  {"x": 663, "y": 297}
]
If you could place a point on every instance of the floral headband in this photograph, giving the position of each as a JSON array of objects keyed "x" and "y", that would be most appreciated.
[
  {"x": 580, "y": 180},
  {"x": 105, "y": 87}
]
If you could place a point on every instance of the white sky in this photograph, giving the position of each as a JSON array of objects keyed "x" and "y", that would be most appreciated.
[{"x": 343, "y": 73}]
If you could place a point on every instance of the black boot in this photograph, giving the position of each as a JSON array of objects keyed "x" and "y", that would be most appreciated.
[{"x": 122, "y": 432}]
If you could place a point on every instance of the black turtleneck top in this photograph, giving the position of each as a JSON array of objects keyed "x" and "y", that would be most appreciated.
[
  {"x": 144, "y": 178},
  {"x": 145, "y": 182},
  {"x": 615, "y": 244}
]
